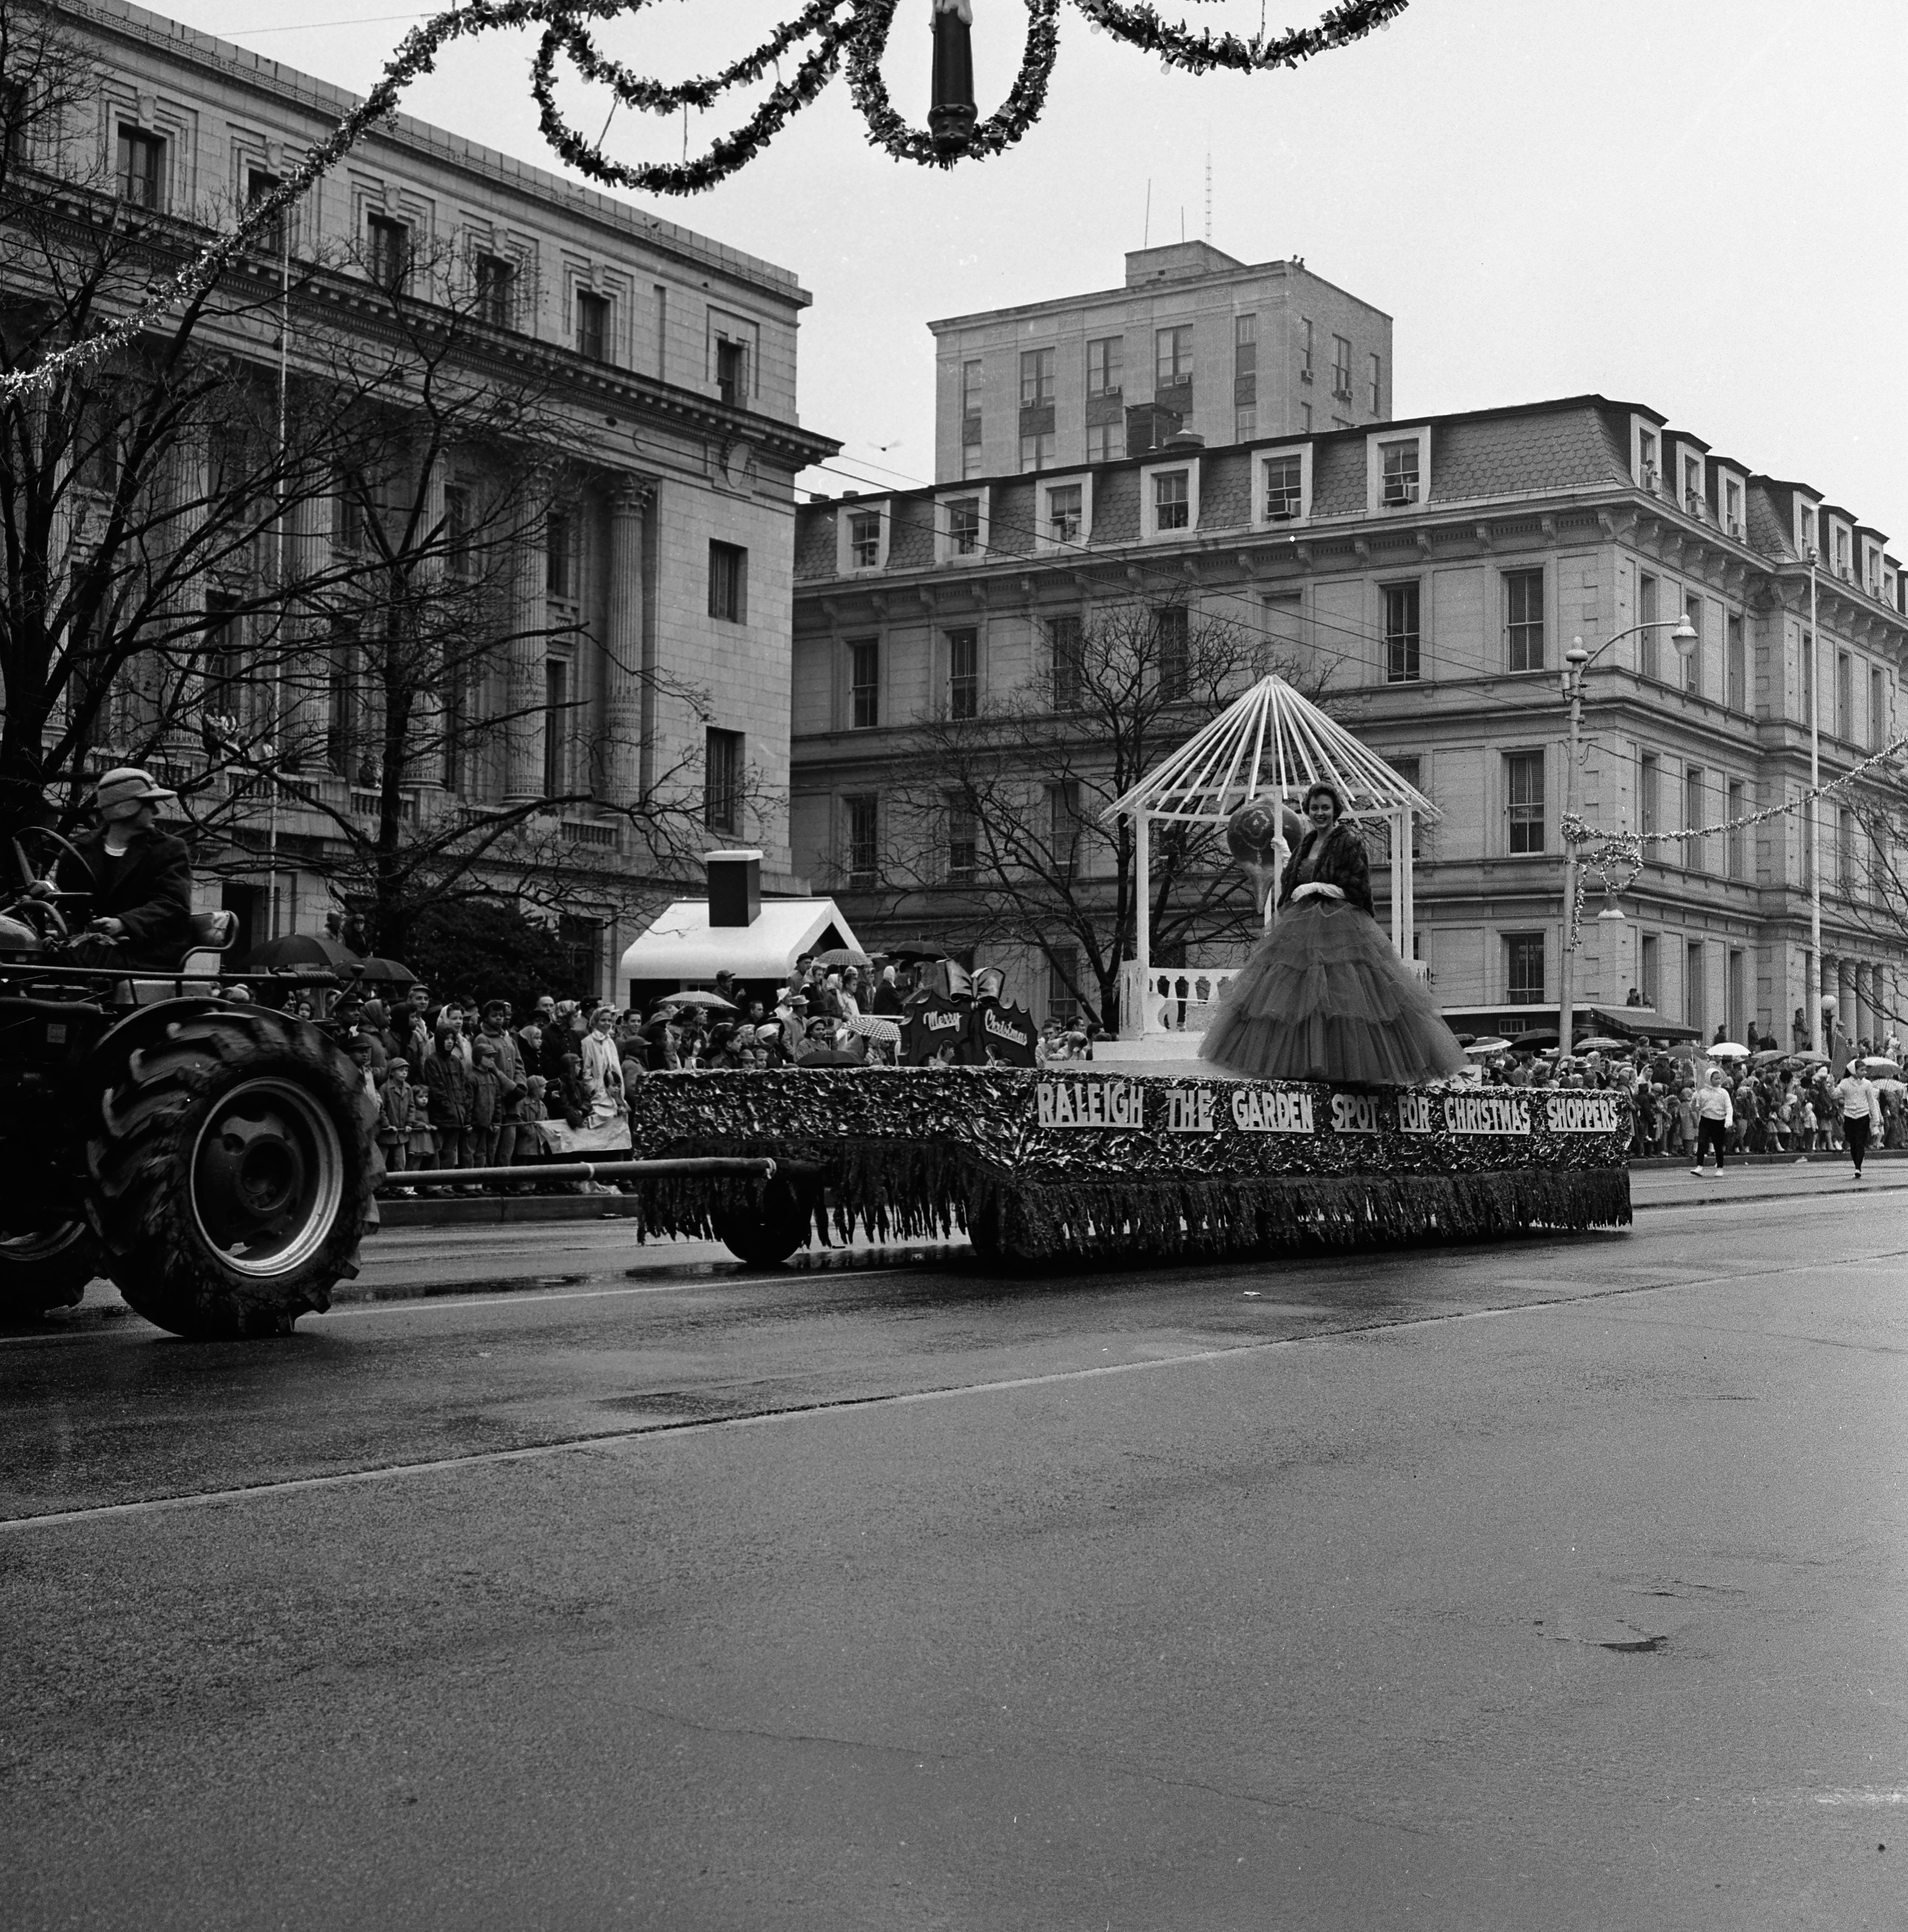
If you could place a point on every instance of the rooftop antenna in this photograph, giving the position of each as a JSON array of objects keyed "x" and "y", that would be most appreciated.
[
  {"x": 1182, "y": 221},
  {"x": 1146, "y": 236},
  {"x": 1208, "y": 194}
]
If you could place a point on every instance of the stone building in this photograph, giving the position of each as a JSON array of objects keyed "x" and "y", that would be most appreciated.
[
  {"x": 1433, "y": 571},
  {"x": 667, "y": 364},
  {"x": 1194, "y": 341}
]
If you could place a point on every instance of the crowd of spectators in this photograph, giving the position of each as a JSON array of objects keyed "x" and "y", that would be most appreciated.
[{"x": 1780, "y": 1103}]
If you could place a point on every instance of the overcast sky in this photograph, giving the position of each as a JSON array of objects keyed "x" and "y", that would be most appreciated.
[{"x": 1689, "y": 203}]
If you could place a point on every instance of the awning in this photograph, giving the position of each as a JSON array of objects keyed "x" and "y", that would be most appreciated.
[
  {"x": 681, "y": 947},
  {"x": 1624, "y": 1022}
]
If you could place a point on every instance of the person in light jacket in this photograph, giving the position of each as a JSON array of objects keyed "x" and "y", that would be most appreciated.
[
  {"x": 1862, "y": 1112},
  {"x": 1715, "y": 1115}
]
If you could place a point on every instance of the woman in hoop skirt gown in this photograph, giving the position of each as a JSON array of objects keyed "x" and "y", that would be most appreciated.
[{"x": 1324, "y": 997}]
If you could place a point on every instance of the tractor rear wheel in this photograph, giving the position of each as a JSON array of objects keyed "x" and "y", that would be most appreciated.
[
  {"x": 47, "y": 1268},
  {"x": 236, "y": 1165}
]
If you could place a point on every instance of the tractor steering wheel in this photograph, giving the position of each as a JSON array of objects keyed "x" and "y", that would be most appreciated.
[{"x": 29, "y": 878}]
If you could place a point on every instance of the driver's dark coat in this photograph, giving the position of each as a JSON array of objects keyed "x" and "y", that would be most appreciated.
[{"x": 147, "y": 889}]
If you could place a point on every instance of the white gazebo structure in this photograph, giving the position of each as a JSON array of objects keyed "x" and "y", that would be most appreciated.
[{"x": 1270, "y": 743}]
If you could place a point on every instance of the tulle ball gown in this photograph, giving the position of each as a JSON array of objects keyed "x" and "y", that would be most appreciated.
[{"x": 1324, "y": 997}]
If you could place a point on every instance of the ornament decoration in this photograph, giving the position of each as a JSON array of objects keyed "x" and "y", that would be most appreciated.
[{"x": 834, "y": 33}]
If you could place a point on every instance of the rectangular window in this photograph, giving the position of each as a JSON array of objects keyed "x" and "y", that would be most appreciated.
[
  {"x": 261, "y": 186},
  {"x": 721, "y": 781},
  {"x": 1646, "y": 458},
  {"x": 1523, "y": 793},
  {"x": 1401, "y": 476},
  {"x": 1808, "y": 678},
  {"x": 662, "y": 330},
  {"x": 1736, "y": 671},
  {"x": 1064, "y": 643},
  {"x": 864, "y": 538},
  {"x": 141, "y": 168},
  {"x": 1523, "y": 620},
  {"x": 963, "y": 841},
  {"x": 1376, "y": 375},
  {"x": 732, "y": 372},
  {"x": 1693, "y": 988},
  {"x": 1172, "y": 635},
  {"x": 224, "y": 665},
  {"x": 1172, "y": 508},
  {"x": 1733, "y": 507},
  {"x": 728, "y": 583},
  {"x": 1844, "y": 695},
  {"x": 964, "y": 525},
  {"x": 1523, "y": 969},
  {"x": 458, "y": 562},
  {"x": 1064, "y": 826},
  {"x": 1106, "y": 442},
  {"x": 1064, "y": 513},
  {"x": 1341, "y": 368},
  {"x": 387, "y": 251},
  {"x": 963, "y": 673},
  {"x": 863, "y": 813},
  {"x": 1245, "y": 346},
  {"x": 1305, "y": 417},
  {"x": 1877, "y": 708},
  {"x": 1693, "y": 655},
  {"x": 560, "y": 557},
  {"x": 1063, "y": 978},
  {"x": 592, "y": 325},
  {"x": 864, "y": 683},
  {"x": 1649, "y": 642},
  {"x": 495, "y": 279},
  {"x": 1245, "y": 424},
  {"x": 556, "y": 727},
  {"x": 970, "y": 461},
  {"x": 1037, "y": 452},
  {"x": 1735, "y": 843},
  {"x": 1696, "y": 858},
  {"x": 1304, "y": 349},
  {"x": 1736, "y": 992},
  {"x": 1172, "y": 364},
  {"x": 1037, "y": 377},
  {"x": 1648, "y": 773},
  {"x": 970, "y": 375},
  {"x": 1401, "y": 634},
  {"x": 1845, "y": 850},
  {"x": 1284, "y": 488},
  {"x": 1105, "y": 366},
  {"x": 1651, "y": 971},
  {"x": 341, "y": 719}
]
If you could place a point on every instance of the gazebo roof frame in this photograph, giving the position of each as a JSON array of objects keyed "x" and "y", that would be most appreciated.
[{"x": 1272, "y": 742}]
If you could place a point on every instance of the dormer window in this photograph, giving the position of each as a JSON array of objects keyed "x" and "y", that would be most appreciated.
[
  {"x": 1283, "y": 493},
  {"x": 865, "y": 539},
  {"x": 1694, "y": 501},
  {"x": 1401, "y": 471},
  {"x": 1808, "y": 540},
  {"x": 1172, "y": 500},
  {"x": 964, "y": 525},
  {"x": 1840, "y": 563},
  {"x": 1064, "y": 513},
  {"x": 1732, "y": 508}
]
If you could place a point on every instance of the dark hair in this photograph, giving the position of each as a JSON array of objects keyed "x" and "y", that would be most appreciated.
[{"x": 1322, "y": 790}]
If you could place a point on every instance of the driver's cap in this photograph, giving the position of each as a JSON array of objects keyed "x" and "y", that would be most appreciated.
[{"x": 126, "y": 785}]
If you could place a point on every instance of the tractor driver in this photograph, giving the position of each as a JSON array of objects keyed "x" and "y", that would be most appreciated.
[{"x": 140, "y": 878}]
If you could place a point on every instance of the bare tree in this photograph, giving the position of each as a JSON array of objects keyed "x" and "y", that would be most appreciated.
[{"x": 994, "y": 823}]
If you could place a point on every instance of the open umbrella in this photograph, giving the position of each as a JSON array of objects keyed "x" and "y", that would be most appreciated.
[
  {"x": 1603, "y": 1044},
  {"x": 874, "y": 1027},
  {"x": 388, "y": 972},
  {"x": 714, "y": 1002},
  {"x": 1766, "y": 1056},
  {"x": 1727, "y": 1049},
  {"x": 1879, "y": 1066},
  {"x": 300, "y": 952},
  {"x": 1808, "y": 1059},
  {"x": 912, "y": 954},
  {"x": 1481, "y": 1048},
  {"x": 843, "y": 955},
  {"x": 1537, "y": 1038}
]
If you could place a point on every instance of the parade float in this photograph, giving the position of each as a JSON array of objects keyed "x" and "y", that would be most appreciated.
[{"x": 1146, "y": 1150}]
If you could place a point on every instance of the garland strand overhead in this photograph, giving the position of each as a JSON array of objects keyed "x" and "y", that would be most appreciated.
[{"x": 831, "y": 34}]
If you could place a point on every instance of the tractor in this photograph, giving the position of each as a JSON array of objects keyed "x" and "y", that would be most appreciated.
[{"x": 213, "y": 1156}]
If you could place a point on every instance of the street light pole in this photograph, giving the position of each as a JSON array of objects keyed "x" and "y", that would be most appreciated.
[
  {"x": 1815, "y": 978},
  {"x": 1576, "y": 660}
]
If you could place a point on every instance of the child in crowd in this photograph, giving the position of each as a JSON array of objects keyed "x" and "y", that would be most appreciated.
[
  {"x": 486, "y": 1092},
  {"x": 423, "y": 1142},
  {"x": 396, "y": 1108}
]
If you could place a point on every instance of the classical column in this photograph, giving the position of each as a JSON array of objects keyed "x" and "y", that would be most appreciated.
[
  {"x": 524, "y": 685},
  {"x": 1845, "y": 1016},
  {"x": 623, "y": 646}
]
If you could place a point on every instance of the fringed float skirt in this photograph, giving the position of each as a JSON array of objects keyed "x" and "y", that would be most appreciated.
[{"x": 1325, "y": 997}]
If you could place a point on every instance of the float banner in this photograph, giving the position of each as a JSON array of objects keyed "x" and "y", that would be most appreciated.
[
  {"x": 1086, "y": 1161},
  {"x": 1001, "y": 1035},
  {"x": 928, "y": 1028}
]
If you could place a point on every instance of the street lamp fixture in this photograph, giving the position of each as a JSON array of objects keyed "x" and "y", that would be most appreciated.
[{"x": 1683, "y": 634}]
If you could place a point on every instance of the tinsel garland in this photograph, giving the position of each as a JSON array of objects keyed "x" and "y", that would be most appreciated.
[
  {"x": 859, "y": 29},
  {"x": 912, "y": 1153}
]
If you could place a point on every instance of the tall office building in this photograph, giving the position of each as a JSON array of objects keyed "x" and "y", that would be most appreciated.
[{"x": 1194, "y": 343}]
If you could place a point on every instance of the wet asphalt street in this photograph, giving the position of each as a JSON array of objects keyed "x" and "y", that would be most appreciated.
[{"x": 556, "y": 1583}]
